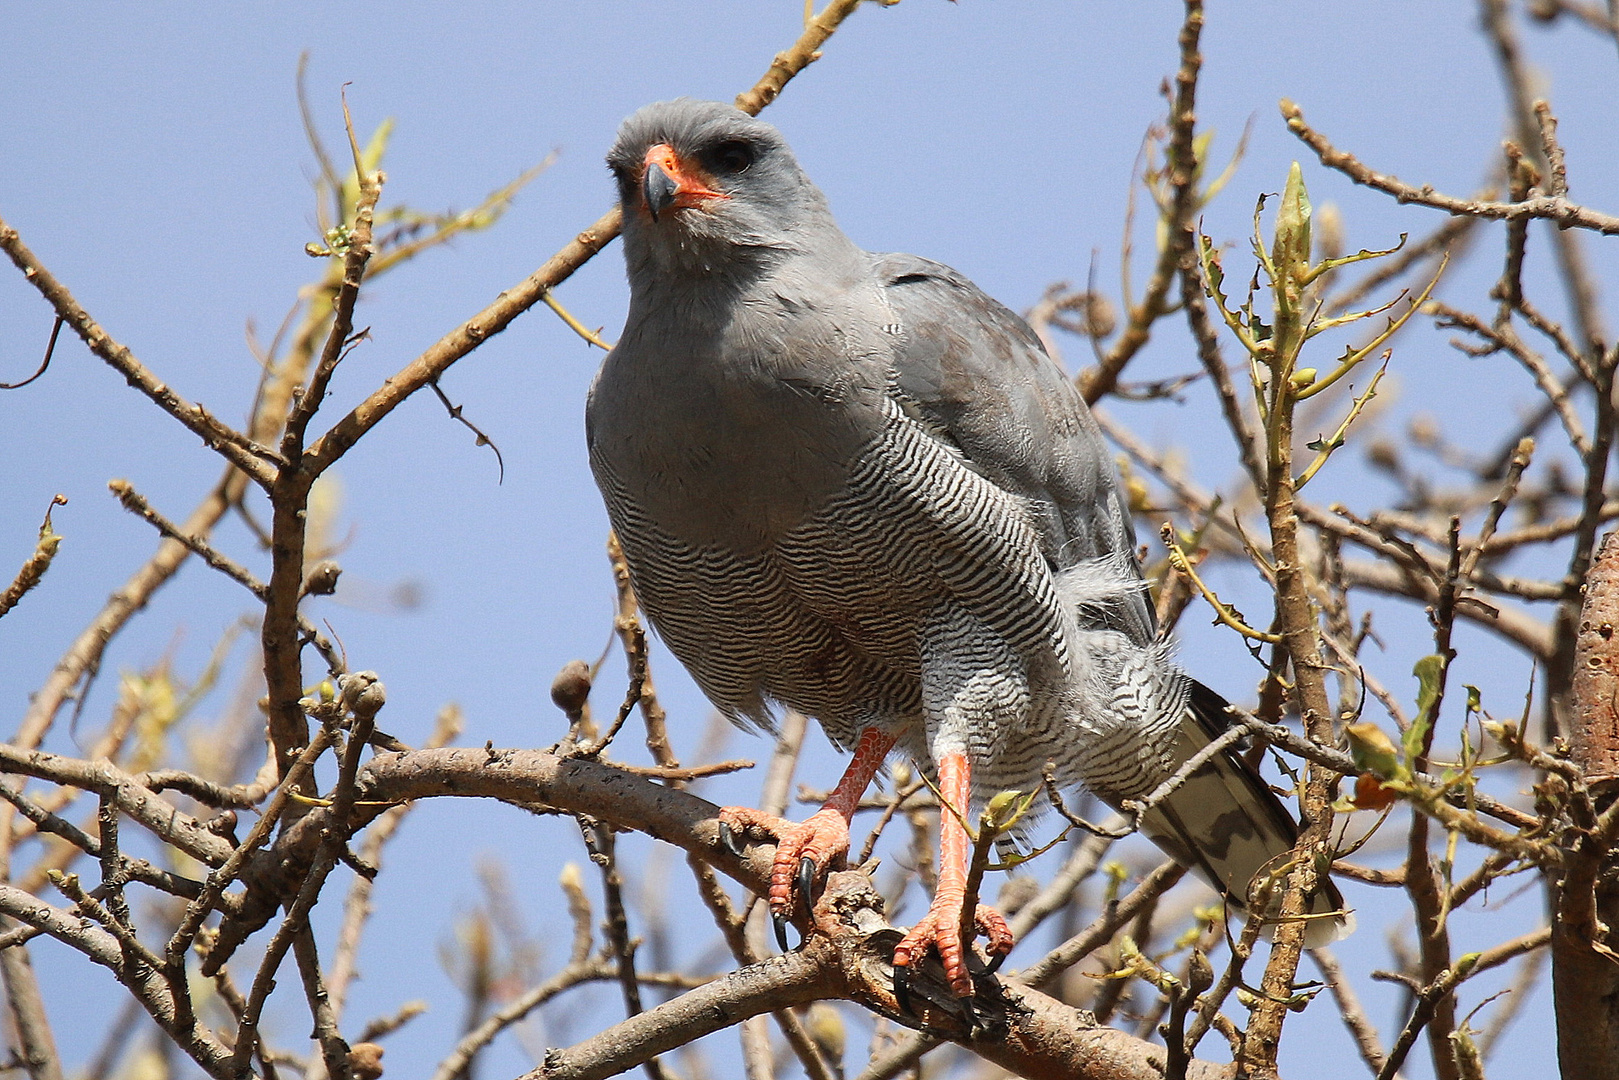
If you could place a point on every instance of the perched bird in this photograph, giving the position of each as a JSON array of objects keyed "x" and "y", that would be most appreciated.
[{"x": 854, "y": 485}]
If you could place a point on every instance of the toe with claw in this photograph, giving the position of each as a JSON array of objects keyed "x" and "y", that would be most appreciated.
[
  {"x": 729, "y": 839},
  {"x": 803, "y": 852},
  {"x": 902, "y": 988},
  {"x": 940, "y": 929}
]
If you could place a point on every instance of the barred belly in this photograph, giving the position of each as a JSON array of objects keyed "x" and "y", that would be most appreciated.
[{"x": 830, "y": 619}]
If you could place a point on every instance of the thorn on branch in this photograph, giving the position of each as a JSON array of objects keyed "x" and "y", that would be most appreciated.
[{"x": 481, "y": 439}]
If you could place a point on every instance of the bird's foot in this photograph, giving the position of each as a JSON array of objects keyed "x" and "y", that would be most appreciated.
[
  {"x": 940, "y": 929},
  {"x": 803, "y": 852}
]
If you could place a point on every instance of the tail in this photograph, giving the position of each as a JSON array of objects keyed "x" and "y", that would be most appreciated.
[{"x": 1228, "y": 826}]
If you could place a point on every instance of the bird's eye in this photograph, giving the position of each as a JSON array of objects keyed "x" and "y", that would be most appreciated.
[{"x": 733, "y": 156}]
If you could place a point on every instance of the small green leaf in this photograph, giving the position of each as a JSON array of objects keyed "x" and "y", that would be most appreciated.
[
  {"x": 339, "y": 238},
  {"x": 1116, "y": 874},
  {"x": 1004, "y": 810},
  {"x": 1215, "y": 272},
  {"x": 371, "y": 156},
  {"x": 1200, "y": 147},
  {"x": 1430, "y": 673}
]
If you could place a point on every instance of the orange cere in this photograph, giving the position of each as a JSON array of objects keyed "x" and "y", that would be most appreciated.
[{"x": 691, "y": 183}]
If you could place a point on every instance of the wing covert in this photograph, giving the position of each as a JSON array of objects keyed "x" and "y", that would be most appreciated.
[{"x": 977, "y": 376}]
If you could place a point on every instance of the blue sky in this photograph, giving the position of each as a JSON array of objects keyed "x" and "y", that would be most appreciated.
[{"x": 154, "y": 160}]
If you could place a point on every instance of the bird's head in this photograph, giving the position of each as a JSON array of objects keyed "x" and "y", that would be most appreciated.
[{"x": 705, "y": 185}]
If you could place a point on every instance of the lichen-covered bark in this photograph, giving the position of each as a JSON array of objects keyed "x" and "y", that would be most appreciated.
[
  {"x": 1585, "y": 979},
  {"x": 1594, "y": 735}
]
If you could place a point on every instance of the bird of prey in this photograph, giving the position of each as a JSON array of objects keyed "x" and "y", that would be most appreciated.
[{"x": 854, "y": 485}]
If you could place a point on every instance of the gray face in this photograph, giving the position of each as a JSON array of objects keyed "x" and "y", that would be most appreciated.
[{"x": 703, "y": 179}]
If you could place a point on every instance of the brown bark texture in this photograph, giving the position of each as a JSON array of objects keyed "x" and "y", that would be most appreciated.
[
  {"x": 1585, "y": 970},
  {"x": 1594, "y": 735}
]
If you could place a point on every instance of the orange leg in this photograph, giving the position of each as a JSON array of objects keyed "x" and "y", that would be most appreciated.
[
  {"x": 941, "y": 927},
  {"x": 804, "y": 849}
]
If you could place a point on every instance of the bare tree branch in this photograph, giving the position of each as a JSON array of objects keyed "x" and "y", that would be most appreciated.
[{"x": 1550, "y": 208}]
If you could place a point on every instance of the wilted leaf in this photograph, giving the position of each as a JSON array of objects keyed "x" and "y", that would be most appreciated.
[
  {"x": 1371, "y": 794},
  {"x": 1374, "y": 752}
]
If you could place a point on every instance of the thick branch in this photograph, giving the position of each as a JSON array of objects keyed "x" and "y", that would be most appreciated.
[
  {"x": 1043, "y": 1037},
  {"x": 1585, "y": 971},
  {"x": 83, "y": 657},
  {"x": 795, "y": 978},
  {"x": 1594, "y": 731},
  {"x": 166, "y": 821}
]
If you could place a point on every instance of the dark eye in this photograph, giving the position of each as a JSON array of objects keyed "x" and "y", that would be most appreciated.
[{"x": 733, "y": 156}]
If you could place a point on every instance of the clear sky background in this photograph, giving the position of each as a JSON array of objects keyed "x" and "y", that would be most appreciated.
[{"x": 152, "y": 156}]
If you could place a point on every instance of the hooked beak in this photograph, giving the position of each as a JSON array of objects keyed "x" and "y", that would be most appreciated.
[
  {"x": 659, "y": 188},
  {"x": 670, "y": 183}
]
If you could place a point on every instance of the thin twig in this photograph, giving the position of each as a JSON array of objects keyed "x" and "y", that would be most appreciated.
[
  {"x": 1445, "y": 984},
  {"x": 1504, "y": 338},
  {"x": 458, "y": 414},
  {"x": 33, "y": 569},
  {"x": 1559, "y": 210},
  {"x": 357, "y": 905},
  {"x": 44, "y": 365},
  {"x": 514, "y": 301},
  {"x": 627, "y": 625},
  {"x": 362, "y": 696},
  {"x": 136, "y": 503},
  {"x": 1349, "y": 1008},
  {"x": 599, "y": 840},
  {"x": 1447, "y": 238},
  {"x": 1183, "y": 170},
  {"x": 256, "y": 461},
  {"x": 334, "y": 1050},
  {"x": 1136, "y": 809},
  {"x": 513, "y": 1011},
  {"x": 1102, "y": 929}
]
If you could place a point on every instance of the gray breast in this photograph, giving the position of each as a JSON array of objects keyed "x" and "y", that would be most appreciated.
[{"x": 828, "y": 618}]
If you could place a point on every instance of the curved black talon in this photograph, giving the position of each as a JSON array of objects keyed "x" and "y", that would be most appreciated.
[
  {"x": 994, "y": 964},
  {"x": 970, "y": 1016},
  {"x": 728, "y": 837},
  {"x": 902, "y": 989},
  {"x": 806, "y": 880},
  {"x": 780, "y": 922}
]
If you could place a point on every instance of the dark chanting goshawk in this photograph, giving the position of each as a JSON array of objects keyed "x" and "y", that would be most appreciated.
[{"x": 853, "y": 485}]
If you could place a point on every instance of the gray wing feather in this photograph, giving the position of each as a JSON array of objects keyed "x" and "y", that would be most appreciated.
[
  {"x": 977, "y": 376},
  {"x": 979, "y": 379}
]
